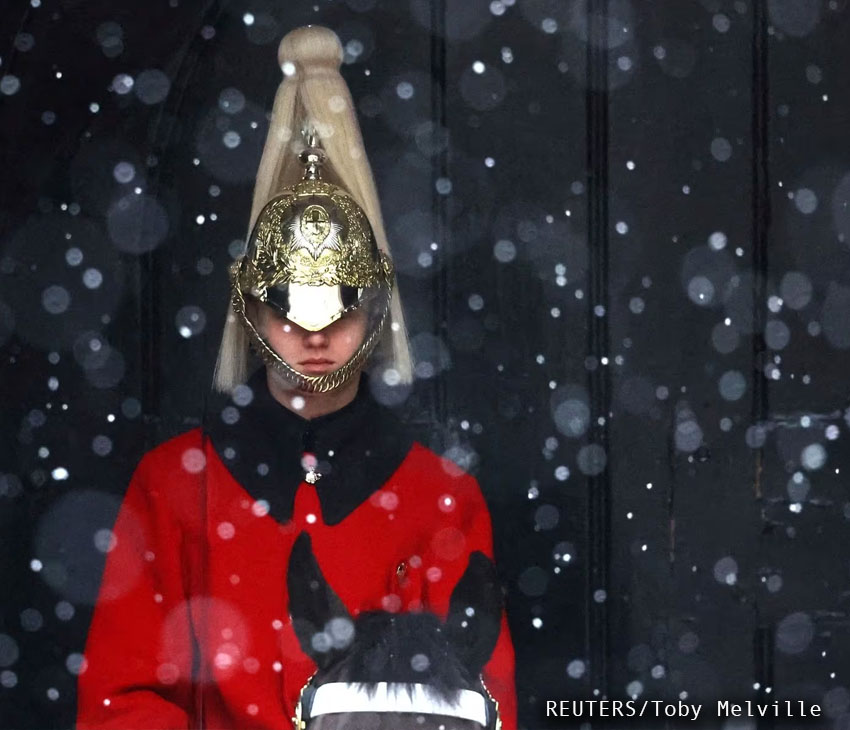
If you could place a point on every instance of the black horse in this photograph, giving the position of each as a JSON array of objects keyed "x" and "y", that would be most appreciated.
[{"x": 394, "y": 671}]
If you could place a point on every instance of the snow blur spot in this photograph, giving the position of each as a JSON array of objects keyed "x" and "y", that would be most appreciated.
[
  {"x": 546, "y": 517},
  {"x": 732, "y": 385},
  {"x": 231, "y": 139},
  {"x": 794, "y": 633},
  {"x": 92, "y": 278},
  {"x": 806, "y": 201},
  {"x": 9, "y": 651},
  {"x": 688, "y": 434},
  {"x": 124, "y": 172},
  {"x": 391, "y": 603},
  {"x": 701, "y": 291},
  {"x": 31, "y": 620},
  {"x": 634, "y": 689},
  {"x": 533, "y": 581},
  {"x": 242, "y": 395},
  {"x": 152, "y": 86},
  {"x": 231, "y": 101},
  {"x": 9, "y": 85},
  {"x": 798, "y": 487},
  {"x": 230, "y": 415},
  {"x": 110, "y": 36},
  {"x": 563, "y": 553},
  {"x": 193, "y": 460},
  {"x": 813, "y": 457},
  {"x": 167, "y": 673},
  {"x": 419, "y": 663},
  {"x": 122, "y": 84},
  {"x": 591, "y": 459},
  {"x": 388, "y": 500},
  {"x": 777, "y": 335},
  {"x": 137, "y": 224},
  {"x": 796, "y": 290},
  {"x": 726, "y": 571},
  {"x": 717, "y": 241},
  {"x": 793, "y": 17},
  {"x": 105, "y": 540},
  {"x": 190, "y": 321},
  {"x": 576, "y": 669},
  {"x": 721, "y": 149},
  {"x": 76, "y": 663},
  {"x": 341, "y": 631},
  {"x": 504, "y": 251},
  {"x": 55, "y": 299},
  {"x": 476, "y": 302},
  {"x": 721, "y": 23}
]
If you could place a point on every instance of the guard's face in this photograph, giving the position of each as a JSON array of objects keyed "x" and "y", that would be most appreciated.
[{"x": 312, "y": 352}]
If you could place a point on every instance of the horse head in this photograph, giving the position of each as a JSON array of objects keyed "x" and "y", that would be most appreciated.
[{"x": 395, "y": 670}]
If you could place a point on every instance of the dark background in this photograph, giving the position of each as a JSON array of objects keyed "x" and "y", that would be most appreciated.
[{"x": 623, "y": 240}]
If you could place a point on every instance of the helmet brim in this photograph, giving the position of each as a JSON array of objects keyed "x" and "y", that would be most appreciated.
[{"x": 314, "y": 307}]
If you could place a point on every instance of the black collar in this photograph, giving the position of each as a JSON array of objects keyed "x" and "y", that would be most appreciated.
[{"x": 358, "y": 448}]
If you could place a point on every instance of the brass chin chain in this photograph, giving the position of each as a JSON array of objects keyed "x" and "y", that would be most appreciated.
[{"x": 303, "y": 381}]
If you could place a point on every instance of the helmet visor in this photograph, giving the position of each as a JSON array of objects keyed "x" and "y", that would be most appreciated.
[{"x": 314, "y": 307}]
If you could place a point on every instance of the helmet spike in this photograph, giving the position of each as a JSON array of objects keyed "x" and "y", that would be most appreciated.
[{"x": 313, "y": 156}]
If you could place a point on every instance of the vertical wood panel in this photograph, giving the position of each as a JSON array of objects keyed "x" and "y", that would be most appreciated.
[{"x": 598, "y": 521}]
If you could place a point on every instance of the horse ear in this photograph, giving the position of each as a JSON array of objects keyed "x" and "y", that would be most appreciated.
[
  {"x": 475, "y": 613},
  {"x": 322, "y": 623}
]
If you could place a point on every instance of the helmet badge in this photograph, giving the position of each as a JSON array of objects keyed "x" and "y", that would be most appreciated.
[{"x": 313, "y": 230}]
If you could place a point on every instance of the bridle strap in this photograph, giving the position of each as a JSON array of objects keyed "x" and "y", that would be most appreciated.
[{"x": 346, "y": 697}]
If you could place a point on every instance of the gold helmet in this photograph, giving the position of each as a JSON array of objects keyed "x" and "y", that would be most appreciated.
[{"x": 312, "y": 257}]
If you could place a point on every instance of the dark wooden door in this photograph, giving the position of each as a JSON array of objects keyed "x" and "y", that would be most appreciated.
[{"x": 622, "y": 236}]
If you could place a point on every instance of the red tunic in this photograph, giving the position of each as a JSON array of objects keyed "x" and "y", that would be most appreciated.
[{"x": 191, "y": 627}]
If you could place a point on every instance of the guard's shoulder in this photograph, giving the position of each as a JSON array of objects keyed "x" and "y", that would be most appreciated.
[
  {"x": 442, "y": 464},
  {"x": 184, "y": 451},
  {"x": 171, "y": 477},
  {"x": 441, "y": 472}
]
